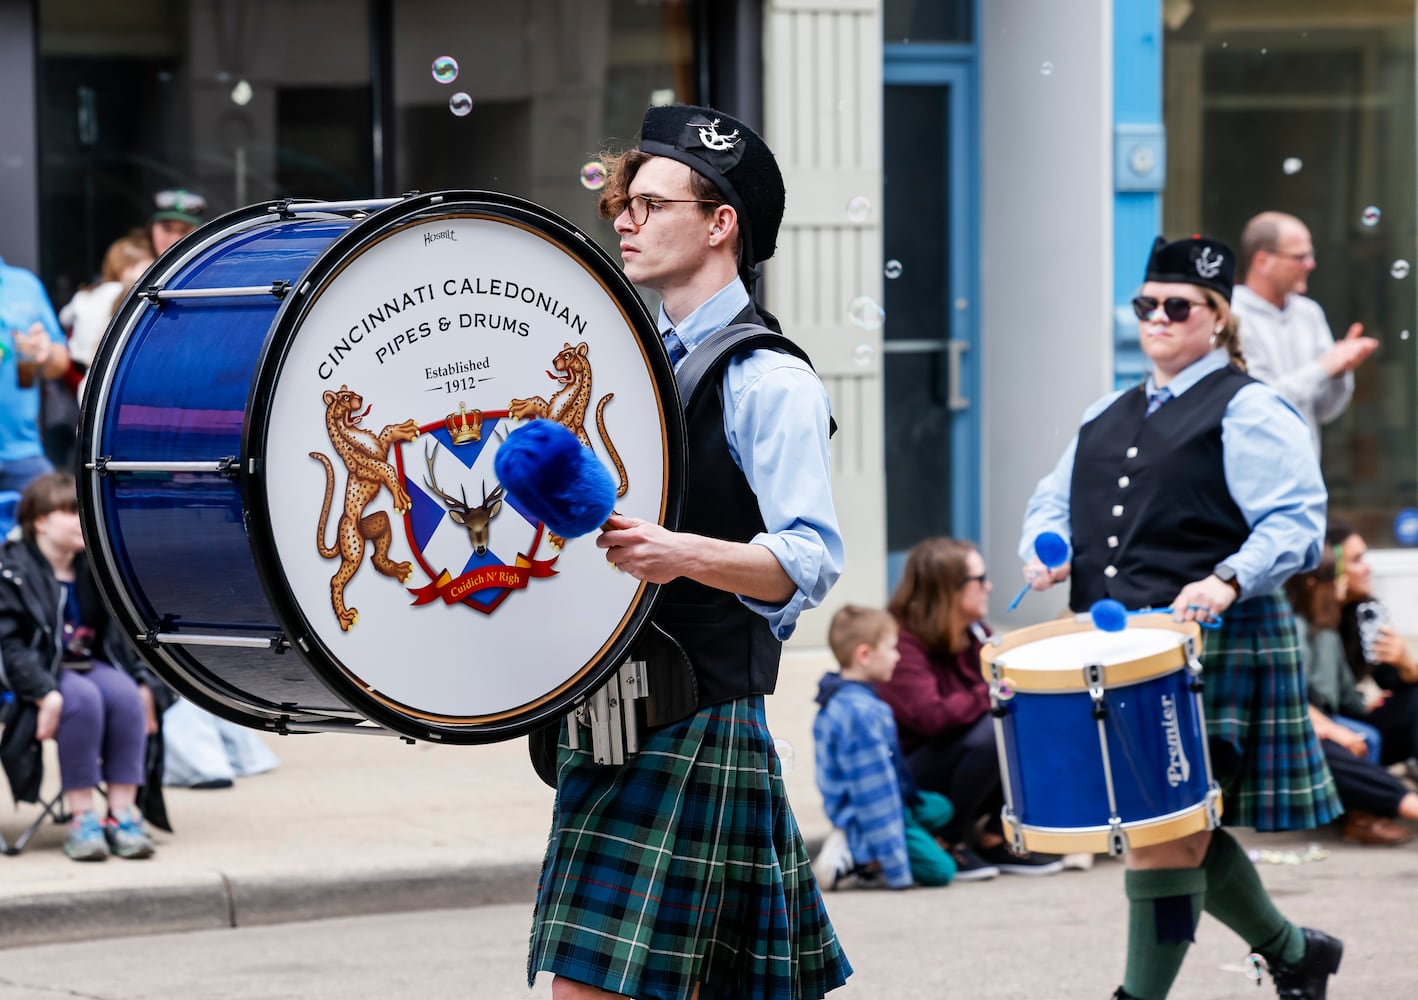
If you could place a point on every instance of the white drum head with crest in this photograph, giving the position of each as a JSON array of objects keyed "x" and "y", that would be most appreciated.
[{"x": 421, "y": 590}]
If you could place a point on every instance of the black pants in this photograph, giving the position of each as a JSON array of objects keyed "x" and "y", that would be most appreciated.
[
  {"x": 1397, "y": 722},
  {"x": 965, "y": 770},
  {"x": 1363, "y": 785}
]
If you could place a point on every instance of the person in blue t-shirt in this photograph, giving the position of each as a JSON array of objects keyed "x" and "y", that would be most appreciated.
[{"x": 32, "y": 348}]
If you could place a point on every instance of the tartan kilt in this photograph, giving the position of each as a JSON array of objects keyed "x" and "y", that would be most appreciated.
[
  {"x": 1255, "y": 700},
  {"x": 682, "y": 866}
]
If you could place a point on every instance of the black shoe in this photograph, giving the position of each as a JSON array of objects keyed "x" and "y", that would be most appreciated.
[
  {"x": 1123, "y": 994},
  {"x": 1021, "y": 864},
  {"x": 970, "y": 867},
  {"x": 1307, "y": 979}
]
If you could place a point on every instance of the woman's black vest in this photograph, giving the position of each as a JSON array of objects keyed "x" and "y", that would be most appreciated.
[
  {"x": 1149, "y": 509},
  {"x": 733, "y": 649}
]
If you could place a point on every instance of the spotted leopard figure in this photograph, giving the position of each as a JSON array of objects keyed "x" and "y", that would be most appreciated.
[{"x": 366, "y": 459}]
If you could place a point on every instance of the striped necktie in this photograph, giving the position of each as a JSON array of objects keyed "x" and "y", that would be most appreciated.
[{"x": 1155, "y": 401}]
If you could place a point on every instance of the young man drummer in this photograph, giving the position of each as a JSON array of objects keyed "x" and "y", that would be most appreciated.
[
  {"x": 682, "y": 872},
  {"x": 1198, "y": 491}
]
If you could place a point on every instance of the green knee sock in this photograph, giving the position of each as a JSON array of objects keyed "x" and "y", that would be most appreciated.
[
  {"x": 1176, "y": 896},
  {"x": 1236, "y": 897}
]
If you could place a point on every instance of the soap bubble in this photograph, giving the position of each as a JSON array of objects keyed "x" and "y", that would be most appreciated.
[
  {"x": 593, "y": 175},
  {"x": 859, "y": 209},
  {"x": 1399, "y": 269},
  {"x": 1047, "y": 69},
  {"x": 1292, "y": 165},
  {"x": 892, "y": 269},
  {"x": 787, "y": 756},
  {"x": 445, "y": 69},
  {"x": 460, "y": 104},
  {"x": 865, "y": 313},
  {"x": 863, "y": 355},
  {"x": 1371, "y": 216}
]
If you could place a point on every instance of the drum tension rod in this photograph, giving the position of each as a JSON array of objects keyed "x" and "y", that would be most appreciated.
[{"x": 229, "y": 466}]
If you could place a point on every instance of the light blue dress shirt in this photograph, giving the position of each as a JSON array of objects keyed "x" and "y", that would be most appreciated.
[
  {"x": 1271, "y": 473},
  {"x": 23, "y": 303},
  {"x": 776, "y": 415}
]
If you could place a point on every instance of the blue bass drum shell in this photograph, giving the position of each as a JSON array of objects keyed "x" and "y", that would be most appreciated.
[{"x": 189, "y": 556}]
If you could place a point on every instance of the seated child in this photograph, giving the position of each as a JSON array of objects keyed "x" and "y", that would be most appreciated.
[{"x": 884, "y": 826}]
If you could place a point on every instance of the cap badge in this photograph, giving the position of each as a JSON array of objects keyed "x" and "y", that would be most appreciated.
[
  {"x": 1208, "y": 266},
  {"x": 710, "y": 137}
]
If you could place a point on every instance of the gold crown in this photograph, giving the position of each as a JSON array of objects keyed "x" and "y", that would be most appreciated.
[{"x": 465, "y": 426}]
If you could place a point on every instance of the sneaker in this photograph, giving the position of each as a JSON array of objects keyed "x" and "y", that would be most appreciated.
[
  {"x": 86, "y": 841},
  {"x": 1021, "y": 864},
  {"x": 834, "y": 862},
  {"x": 970, "y": 867},
  {"x": 126, "y": 836}
]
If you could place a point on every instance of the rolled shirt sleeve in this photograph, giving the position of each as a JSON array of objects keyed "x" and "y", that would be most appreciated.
[
  {"x": 1274, "y": 478},
  {"x": 776, "y": 418}
]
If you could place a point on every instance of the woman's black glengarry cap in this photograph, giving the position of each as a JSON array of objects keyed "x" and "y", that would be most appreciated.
[
  {"x": 733, "y": 157},
  {"x": 1197, "y": 261}
]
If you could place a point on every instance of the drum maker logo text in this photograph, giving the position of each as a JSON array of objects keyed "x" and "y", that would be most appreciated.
[{"x": 1179, "y": 769}]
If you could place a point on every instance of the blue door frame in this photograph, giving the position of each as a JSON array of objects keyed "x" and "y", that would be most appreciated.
[{"x": 956, "y": 67}]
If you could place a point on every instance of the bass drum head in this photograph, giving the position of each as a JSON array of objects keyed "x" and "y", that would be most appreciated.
[{"x": 430, "y": 599}]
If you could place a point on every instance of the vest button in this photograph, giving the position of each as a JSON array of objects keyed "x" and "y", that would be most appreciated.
[
  {"x": 1123, "y": 482},
  {"x": 1112, "y": 541},
  {"x": 1117, "y": 510},
  {"x": 1110, "y": 571},
  {"x": 1132, "y": 452}
]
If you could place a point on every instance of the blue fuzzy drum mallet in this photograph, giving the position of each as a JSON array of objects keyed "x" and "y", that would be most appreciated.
[
  {"x": 1052, "y": 551},
  {"x": 1110, "y": 616},
  {"x": 556, "y": 478}
]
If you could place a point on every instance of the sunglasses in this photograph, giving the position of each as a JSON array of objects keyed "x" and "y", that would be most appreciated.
[{"x": 1175, "y": 309}]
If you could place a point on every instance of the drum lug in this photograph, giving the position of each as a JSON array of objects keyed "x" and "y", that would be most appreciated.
[
  {"x": 1213, "y": 806},
  {"x": 229, "y": 466},
  {"x": 100, "y": 464},
  {"x": 1189, "y": 645},
  {"x": 1117, "y": 838},
  {"x": 279, "y": 288},
  {"x": 1016, "y": 831},
  {"x": 1093, "y": 677}
]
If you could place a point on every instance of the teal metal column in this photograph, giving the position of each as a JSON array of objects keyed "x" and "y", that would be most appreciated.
[{"x": 1139, "y": 167}]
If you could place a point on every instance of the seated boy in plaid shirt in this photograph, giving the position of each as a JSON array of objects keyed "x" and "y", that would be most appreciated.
[{"x": 884, "y": 826}]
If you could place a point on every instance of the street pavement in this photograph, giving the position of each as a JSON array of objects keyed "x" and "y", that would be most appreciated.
[{"x": 350, "y": 826}]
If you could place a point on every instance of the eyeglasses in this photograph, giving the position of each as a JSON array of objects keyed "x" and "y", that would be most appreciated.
[
  {"x": 981, "y": 579},
  {"x": 639, "y": 205},
  {"x": 1297, "y": 257},
  {"x": 1176, "y": 309}
]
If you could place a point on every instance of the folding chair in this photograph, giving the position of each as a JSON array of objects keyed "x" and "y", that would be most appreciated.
[{"x": 52, "y": 808}]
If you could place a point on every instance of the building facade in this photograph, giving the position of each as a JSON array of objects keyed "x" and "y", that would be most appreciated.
[{"x": 973, "y": 186}]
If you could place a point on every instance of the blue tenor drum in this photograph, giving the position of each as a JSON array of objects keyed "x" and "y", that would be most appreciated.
[
  {"x": 288, "y": 490},
  {"x": 1101, "y": 736}
]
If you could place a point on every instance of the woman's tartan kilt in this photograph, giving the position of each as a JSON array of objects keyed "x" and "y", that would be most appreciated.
[
  {"x": 684, "y": 866},
  {"x": 1256, "y": 701}
]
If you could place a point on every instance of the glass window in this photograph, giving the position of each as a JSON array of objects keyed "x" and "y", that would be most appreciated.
[
  {"x": 548, "y": 84},
  {"x": 240, "y": 102},
  {"x": 928, "y": 21},
  {"x": 1308, "y": 108}
]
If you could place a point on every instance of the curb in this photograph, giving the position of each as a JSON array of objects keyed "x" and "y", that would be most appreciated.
[{"x": 221, "y": 901}]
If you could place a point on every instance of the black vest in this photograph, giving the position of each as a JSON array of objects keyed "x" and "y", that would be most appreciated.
[
  {"x": 1149, "y": 509},
  {"x": 733, "y": 650}
]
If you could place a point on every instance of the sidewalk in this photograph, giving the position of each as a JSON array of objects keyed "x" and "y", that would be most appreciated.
[{"x": 346, "y": 825}]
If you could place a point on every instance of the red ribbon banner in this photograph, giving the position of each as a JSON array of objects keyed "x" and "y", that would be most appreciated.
[{"x": 453, "y": 590}]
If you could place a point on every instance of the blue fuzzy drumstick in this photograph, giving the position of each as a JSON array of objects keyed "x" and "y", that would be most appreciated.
[
  {"x": 556, "y": 478},
  {"x": 1110, "y": 616},
  {"x": 1052, "y": 551}
]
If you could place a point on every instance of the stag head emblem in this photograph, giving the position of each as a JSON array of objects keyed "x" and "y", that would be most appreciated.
[{"x": 477, "y": 520}]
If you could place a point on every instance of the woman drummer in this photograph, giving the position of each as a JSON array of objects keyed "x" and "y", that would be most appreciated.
[{"x": 1198, "y": 491}]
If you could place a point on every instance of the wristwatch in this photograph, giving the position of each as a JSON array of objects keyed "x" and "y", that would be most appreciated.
[{"x": 1227, "y": 575}]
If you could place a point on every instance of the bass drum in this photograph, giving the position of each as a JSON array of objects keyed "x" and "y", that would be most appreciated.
[{"x": 288, "y": 491}]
